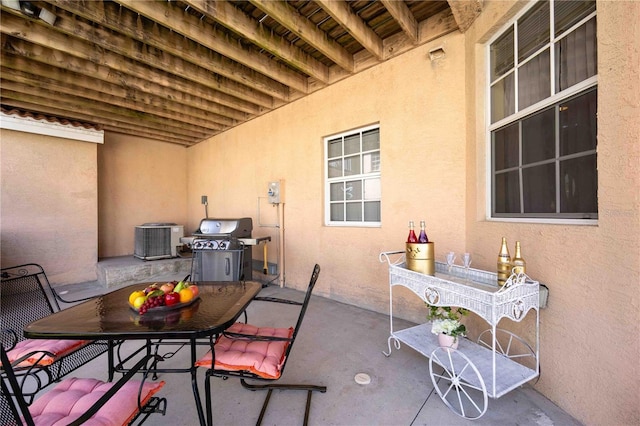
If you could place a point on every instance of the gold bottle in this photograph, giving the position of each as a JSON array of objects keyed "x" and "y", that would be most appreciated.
[
  {"x": 519, "y": 265},
  {"x": 504, "y": 263}
]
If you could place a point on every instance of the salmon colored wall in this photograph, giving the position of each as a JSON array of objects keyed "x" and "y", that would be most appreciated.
[
  {"x": 139, "y": 181},
  {"x": 420, "y": 107},
  {"x": 589, "y": 333},
  {"x": 434, "y": 167},
  {"x": 49, "y": 212}
]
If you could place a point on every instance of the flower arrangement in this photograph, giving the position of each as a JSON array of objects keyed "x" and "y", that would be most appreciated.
[{"x": 446, "y": 320}]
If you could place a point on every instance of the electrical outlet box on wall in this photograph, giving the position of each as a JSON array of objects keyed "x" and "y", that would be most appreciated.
[{"x": 275, "y": 192}]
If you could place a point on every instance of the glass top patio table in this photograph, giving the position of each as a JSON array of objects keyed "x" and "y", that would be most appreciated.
[{"x": 110, "y": 317}]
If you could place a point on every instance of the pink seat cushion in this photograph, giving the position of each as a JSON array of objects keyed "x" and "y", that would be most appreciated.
[
  {"x": 264, "y": 358},
  {"x": 36, "y": 348},
  {"x": 73, "y": 397}
]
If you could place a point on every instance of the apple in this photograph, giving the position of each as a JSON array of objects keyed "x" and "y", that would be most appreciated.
[
  {"x": 172, "y": 298},
  {"x": 167, "y": 287},
  {"x": 195, "y": 290}
]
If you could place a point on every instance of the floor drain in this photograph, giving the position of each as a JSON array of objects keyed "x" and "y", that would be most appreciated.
[{"x": 363, "y": 379}]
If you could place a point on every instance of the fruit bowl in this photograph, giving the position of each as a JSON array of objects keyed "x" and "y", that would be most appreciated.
[{"x": 167, "y": 308}]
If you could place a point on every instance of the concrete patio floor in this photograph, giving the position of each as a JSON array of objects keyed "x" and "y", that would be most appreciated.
[{"x": 336, "y": 342}]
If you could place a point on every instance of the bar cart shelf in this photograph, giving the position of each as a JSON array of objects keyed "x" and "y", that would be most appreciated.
[{"x": 499, "y": 361}]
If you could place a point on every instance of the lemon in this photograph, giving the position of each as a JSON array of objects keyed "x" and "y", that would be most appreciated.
[
  {"x": 133, "y": 296},
  {"x": 139, "y": 301}
]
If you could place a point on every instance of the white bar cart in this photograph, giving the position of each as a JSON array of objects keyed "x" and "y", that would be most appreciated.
[{"x": 499, "y": 361}]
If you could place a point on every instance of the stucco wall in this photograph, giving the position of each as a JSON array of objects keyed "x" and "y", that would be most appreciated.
[
  {"x": 589, "y": 333},
  {"x": 140, "y": 181},
  {"x": 434, "y": 167},
  {"x": 49, "y": 212},
  {"x": 420, "y": 107}
]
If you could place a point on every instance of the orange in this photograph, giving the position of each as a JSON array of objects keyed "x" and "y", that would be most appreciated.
[
  {"x": 186, "y": 295},
  {"x": 135, "y": 295}
]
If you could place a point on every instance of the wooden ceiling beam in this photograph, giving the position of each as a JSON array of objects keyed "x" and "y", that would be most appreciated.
[
  {"x": 103, "y": 40},
  {"x": 129, "y": 24},
  {"x": 404, "y": 17},
  {"x": 195, "y": 29},
  {"x": 341, "y": 12},
  {"x": 48, "y": 79},
  {"x": 289, "y": 18},
  {"x": 90, "y": 58},
  {"x": 158, "y": 133},
  {"x": 138, "y": 117},
  {"x": 465, "y": 12},
  {"x": 230, "y": 17},
  {"x": 20, "y": 54}
]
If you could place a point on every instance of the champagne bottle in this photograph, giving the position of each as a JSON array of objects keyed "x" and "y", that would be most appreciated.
[
  {"x": 504, "y": 263},
  {"x": 423, "y": 233},
  {"x": 519, "y": 265},
  {"x": 412, "y": 235}
]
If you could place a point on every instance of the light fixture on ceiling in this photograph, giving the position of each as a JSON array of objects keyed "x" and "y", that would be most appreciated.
[
  {"x": 29, "y": 9},
  {"x": 47, "y": 16},
  {"x": 12, "y": 4},
  {"x": 436, "y": 53}
]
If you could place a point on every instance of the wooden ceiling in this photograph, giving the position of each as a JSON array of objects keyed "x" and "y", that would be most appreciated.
[{"x": 181, "y": 71}]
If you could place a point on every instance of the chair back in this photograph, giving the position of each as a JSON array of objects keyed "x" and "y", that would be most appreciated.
[
  {"x": 13, "y": 407},
  {"x": 25, "y": 296},
  {"x": 303, "y": 309}
]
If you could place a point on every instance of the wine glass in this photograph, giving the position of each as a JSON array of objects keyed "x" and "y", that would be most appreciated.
[
  {"x": 451, "y": 257},
  {"x": 466, "y": 260}
]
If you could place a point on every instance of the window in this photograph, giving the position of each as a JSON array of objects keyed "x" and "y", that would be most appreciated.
[
  {"x": 352, "y": 170},
  {"x": 543, "y": 122}
]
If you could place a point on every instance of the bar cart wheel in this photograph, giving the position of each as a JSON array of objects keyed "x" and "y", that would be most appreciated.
[
  {"x": 510, "y": 345},
  {"x": 459, "y": 385}
]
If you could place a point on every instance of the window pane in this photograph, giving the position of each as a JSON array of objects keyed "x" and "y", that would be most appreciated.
[
  {"x": 539, "y": 189},
  {"x": 501, "y": 55},
  {"x": 579, "y": 181},
  {"x": 568, "y": 13},
  {"x": 507, "y": 193},
  {"x": 337, "y": 212},
  {"x": 352, "y": 144},
  {"x": 372, "y": 211},
  {"x": 354, "y": 212},
  {"x": 579, "y": 124},
  {"x": 336, "y": 192},
  {"x": 335, "y": 168},
  {"x": 538, "y": 137},
  {"x": 534, "y": 82},
  {"x": 503, "y": 98},
  {"x": 371, "y": 162},
  {"x": 352, "y": 165},
  {"x": 505, "y": 146},
  {"x": 533, "y": 30},
  {"x": 372, "y": 189},
  {"x": 335, "y": 148},
  {"x": 371, "y": 140},
  {"x": 353, "y": 190},
  {"x": 576, "y": 56}
]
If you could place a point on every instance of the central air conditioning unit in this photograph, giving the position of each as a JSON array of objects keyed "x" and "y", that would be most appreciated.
[{"x": 157, "y": 240}]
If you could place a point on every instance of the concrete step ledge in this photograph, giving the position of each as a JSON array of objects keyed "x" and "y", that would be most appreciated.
[{"x": 120, "y": 271}]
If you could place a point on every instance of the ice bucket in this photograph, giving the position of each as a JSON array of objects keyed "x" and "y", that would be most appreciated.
[{"x": 421, "y": 257}]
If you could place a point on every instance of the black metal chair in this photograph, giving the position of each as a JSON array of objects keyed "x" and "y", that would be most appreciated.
[
  {"x": 70, "y": 401},
  {"x": 241, "y": 351},
  {"x": 25, "y": 296}
]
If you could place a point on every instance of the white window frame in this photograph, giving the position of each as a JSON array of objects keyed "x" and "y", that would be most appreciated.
[
  {"x": 580, "y": 87},
  {"x": 328, "y": 180}
]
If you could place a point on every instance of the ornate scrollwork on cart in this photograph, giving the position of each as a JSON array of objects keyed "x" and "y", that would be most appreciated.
[
  {"x": 518, "y": 309},
  {"x": 432, "y": 295}
]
